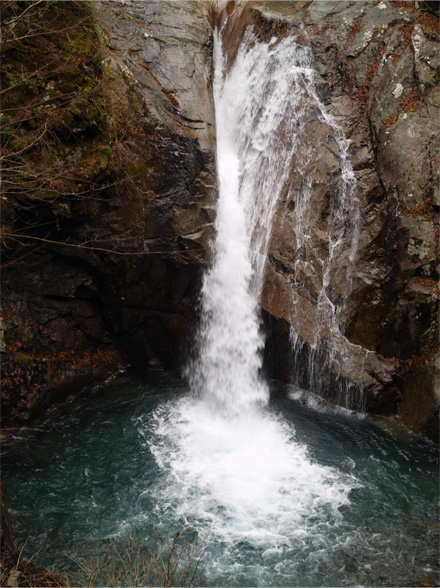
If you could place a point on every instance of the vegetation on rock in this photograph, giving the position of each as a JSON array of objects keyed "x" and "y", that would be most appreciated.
[
  {"x": 92, "y": 184},
  {"x": 52, "y": 106}
]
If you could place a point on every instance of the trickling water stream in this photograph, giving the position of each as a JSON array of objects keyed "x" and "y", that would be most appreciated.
[{"x": 285, "y": 493}]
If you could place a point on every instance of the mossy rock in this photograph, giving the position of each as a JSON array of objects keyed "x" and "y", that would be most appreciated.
[
  {"x": 87, "y": 114},
  {"x": 62, "y": 101}
]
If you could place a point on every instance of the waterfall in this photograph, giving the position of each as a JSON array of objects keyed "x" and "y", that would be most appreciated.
[
  {"x": 259, "y": 100},
  {"x": 270, "y": 119},
  {"x": 228, "y": 461},
  {"x": 226, "y": 372}
]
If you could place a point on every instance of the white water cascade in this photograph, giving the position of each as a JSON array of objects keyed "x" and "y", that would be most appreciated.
[
  {"x": 259, "y": 102},
  {"x": 334, "y": 267},
  {"x": 229, "y": 465}
]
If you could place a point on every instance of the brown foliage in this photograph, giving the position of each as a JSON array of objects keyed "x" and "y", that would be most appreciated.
[
  {"x": 51, "y": 97},
  {"x": 430, "y": 22},
  {"x": 357, "y": 28},
  {"x": 409, "y": 104},
  {"x": 404, "y": 32}
]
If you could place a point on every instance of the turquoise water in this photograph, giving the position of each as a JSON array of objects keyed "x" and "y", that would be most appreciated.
[{"x": 305, "y": 494}]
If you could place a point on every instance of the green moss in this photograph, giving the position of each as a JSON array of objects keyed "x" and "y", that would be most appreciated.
[
  {"x": 87, "y": 112},
  {"x": 104, "y": 157},
  {"x": 53, "y": 96},
  {"x": 58, "y": 42},
  {"x": 24, "y": 358},
  {"x": 75, "y": 170}
]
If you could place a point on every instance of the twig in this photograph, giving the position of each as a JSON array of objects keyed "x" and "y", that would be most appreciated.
[{"x": 80, "y": 246}]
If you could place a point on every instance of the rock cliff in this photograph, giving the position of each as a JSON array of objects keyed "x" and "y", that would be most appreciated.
[
  {"x": 376, "y": 85},
  {"x": 109, "y": 190},
  {"x": 109, "y": 197}
]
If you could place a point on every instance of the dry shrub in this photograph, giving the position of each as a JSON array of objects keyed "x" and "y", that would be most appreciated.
[{"x": 135, "y": 563}]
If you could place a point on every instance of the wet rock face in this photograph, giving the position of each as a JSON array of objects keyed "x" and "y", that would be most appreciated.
[
  {"x": 132, "y": 193},
  {"x": 136, "y": 209},
  {"x": 163, "y": 49},
  {"x": 377, "y": 75}
]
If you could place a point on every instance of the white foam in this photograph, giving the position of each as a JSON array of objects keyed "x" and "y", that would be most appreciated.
[
  {"x": 247, "y": 477},
  {"x": 319, "y": 404},
  {"x": 226, "y": 463}
]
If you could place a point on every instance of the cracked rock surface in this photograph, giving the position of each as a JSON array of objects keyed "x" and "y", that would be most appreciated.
[
  {"x": 124, "y": 287},
  {"x": 377, "y": 75}
]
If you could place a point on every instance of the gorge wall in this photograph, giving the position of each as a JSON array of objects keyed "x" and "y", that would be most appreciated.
[
  {"x": 108, "y": 220},
  {"x": 377, "y": 75},
  {"x": 109, "y": 191}
]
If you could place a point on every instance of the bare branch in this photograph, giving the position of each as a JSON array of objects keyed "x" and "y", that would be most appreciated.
[{"x": 92, "y": 248}]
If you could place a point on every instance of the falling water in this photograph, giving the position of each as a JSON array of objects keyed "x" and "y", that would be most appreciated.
[
  {"x": 345, "y": 510},
  {"x": 323, "y": 258},
  {"x": 259, "y": 102},
  {"x": 229, "y": 462}
]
